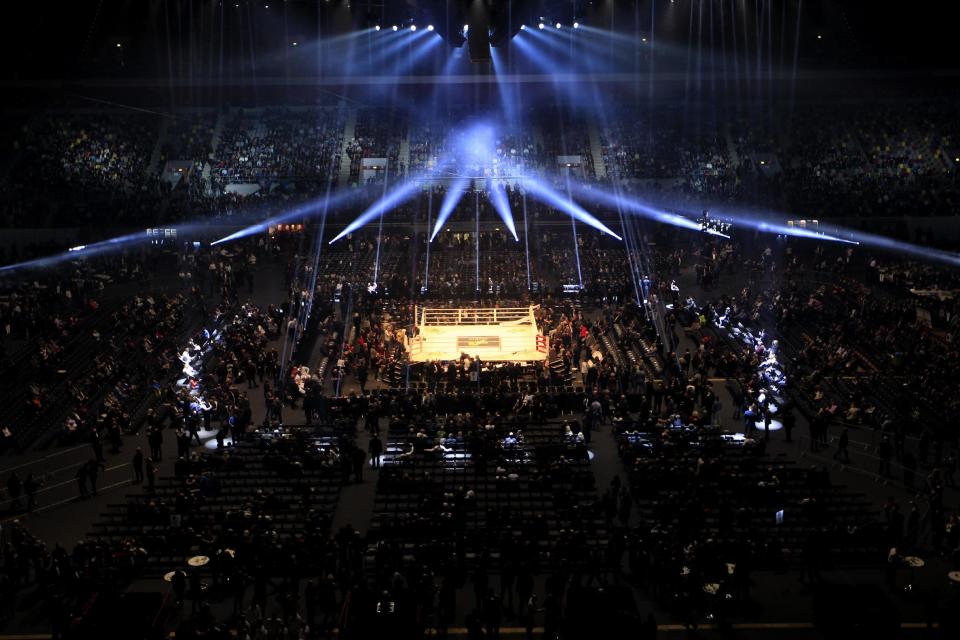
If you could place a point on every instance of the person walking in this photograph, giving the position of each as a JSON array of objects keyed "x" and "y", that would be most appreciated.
[
  {"x": 137, "y": 464},
  {"x": 193, "y": 429}
]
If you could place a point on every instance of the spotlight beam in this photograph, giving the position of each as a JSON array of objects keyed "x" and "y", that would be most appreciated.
[
  {"x": 548, "y": 195},
  {"x": 502, "y": 204},
  {"x": 384, "y": 48},
  {"x": 636, "y": 207},
  {"x": 82, "y": 251},
  {"x": 507, "y": 100},
  {"x": 418, "y": 52},
  {"x": 450, "y": 200},
  {"x": 306, "y": 209},
  {"x": 103, "y": 247},
  {"x": 395, "y": 198}
]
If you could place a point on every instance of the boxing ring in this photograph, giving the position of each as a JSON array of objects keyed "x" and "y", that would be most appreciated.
[{"x": 492, "y": 334}]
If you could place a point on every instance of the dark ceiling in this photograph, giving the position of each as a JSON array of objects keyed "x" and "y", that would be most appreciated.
[{"x": 160, "y": 38}]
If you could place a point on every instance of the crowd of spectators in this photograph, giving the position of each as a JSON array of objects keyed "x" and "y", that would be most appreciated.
[
  {"x": 279, "y": 146},
  {"x": 826, "y": 161}
]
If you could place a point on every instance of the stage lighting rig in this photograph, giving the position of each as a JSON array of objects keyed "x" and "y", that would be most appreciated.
[{"x": 479, "y": 24}]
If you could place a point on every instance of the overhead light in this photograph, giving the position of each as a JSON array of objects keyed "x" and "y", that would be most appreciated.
[
  {"x": 541, "y": 25},
  {"x": 523, "y": 27},
  {"x": 376, "y": 28},
  {"x": 413, "y": 27},
  {"x": 557, "y": 25},
  {"x": 576, "y": 25},
  {"x": 294, "y": 43},
  {"x": 395, "y": 27},
  {"x": 429, "y": 27},
  {"x": 119, "y": 45},
  {"x": 466, "y": 28}
]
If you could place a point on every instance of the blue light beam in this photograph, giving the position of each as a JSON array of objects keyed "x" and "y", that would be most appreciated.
[
  {"x": 507, "y": 99},
  {"x": 390, "y": 200},
  {"x": 81, "y": 251},
  {"x": 498, "y": 196},
  {"x": 638, "y": 208},
  {"x": 450, "y": 200},
  {"x": 548, "y": 195},
  {"x": 305, "y": 209}
]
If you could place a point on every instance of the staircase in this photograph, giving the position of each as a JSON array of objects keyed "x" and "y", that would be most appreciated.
[
  {"x": 349, "y": 130},
  {"x": 218, "y": 131},
  {"x": 596, "y": 149},
  {"x": 403, "y": 156},
  {"x": 731, "y": 146}
]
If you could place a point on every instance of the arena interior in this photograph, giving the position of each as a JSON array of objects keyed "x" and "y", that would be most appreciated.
[{"x": 488, "y": 319}]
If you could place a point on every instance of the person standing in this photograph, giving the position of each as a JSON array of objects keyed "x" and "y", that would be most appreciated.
[
  {"x": 97, "y": 445},
  {"x": 376, "y": 450},
  {"x": 138, "y": 466},
  {"x": 179, "y": 583},
  {"x": 250, "y": 373},
  {"x": 716, "y": 410},
  {"x": 155, "y": 440},
  {"x": 789, "y": 421},
  {"x": 30, "y": 487},
  {"x": 362, "y": 377},
  {"x": 359, "y": 458},
  {"x": 183, "y": 443},
  {"x": 81, "y": 477},
  {"x": 842, "y": 445},
  {"x": 116, "y": 441},
  {"x": 151, "y": 475},
  {"x": 885, "y": 451},
  {"x": 93, "y": 471},
  {"x": 529, "y": 615}
]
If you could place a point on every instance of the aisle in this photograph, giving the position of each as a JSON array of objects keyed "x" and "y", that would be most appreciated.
[{"x": 357, "y": 499}]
